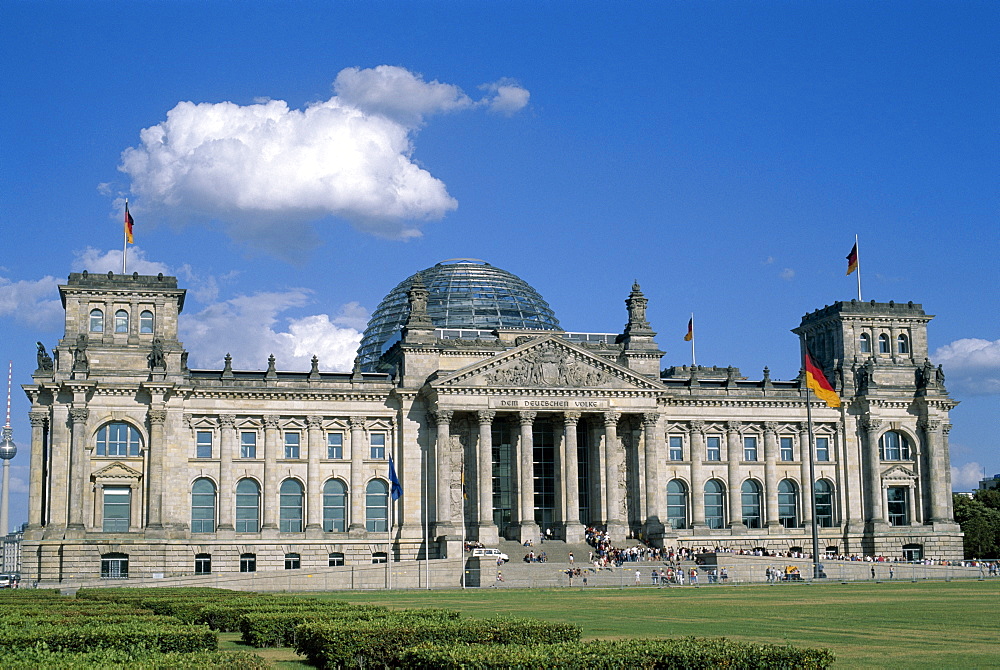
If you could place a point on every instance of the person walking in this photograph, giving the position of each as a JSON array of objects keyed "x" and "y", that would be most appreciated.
[{"x": 571, "y": 560}]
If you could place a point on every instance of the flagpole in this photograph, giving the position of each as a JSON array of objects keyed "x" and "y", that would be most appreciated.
[
  {"x": 125, "y": 240},
  {"x": 859, "y": 266},
  {"x": 812, "y": 467},
  {"x": 694, "y": 362}
]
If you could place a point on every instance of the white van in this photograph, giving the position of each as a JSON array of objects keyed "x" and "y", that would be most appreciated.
[{"x": 495, "y": 554}]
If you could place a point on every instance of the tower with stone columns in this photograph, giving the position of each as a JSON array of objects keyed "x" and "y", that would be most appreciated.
[{"x": 7, "y": 451}]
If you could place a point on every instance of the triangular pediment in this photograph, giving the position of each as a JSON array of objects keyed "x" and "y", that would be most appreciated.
[
  {"x": 117, "y": 470},
  {"x": 899, "y": 472},
  {"x": 547, "y": 362}
]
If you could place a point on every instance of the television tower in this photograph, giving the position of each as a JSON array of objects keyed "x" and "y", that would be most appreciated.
[{"x": 7, "y": 451}]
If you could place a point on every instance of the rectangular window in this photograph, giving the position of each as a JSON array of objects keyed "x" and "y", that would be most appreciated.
[
  {"x": 787, "y": 453},
  {"x": 822, "y": 448},
  {"x": 335, "y": 445},
  {"x": 676, "y": 448},
  {"x": 291, "y": 445},
  {"x": 750, "y": 448},
  {"x": 714, "y": 451},
  {"x": 898, "y": 507},
  {"x": 378, "y": 446},
  {"x": 248, "y": 445},
  {"x": 117, "y": 509},
  {"x": 248, "y": 562},
  {"x": 204, "y": 444}
]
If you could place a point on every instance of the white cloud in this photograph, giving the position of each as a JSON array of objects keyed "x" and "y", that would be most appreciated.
[
  {"x": 966, "y": 477},
  {"x": 509, "y": 98},
  {"x": 250, "y": 329},
  {"x": 972, "y": 365},
  {"x": 32, "y": 302},
  {"x": 788, "y": 274},
  {"x": 100, "y": 262},
  {"x": 268, "y": 171}
]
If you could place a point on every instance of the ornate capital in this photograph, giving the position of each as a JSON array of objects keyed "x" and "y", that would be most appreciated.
[
  {"x": 697, "y": 426},
  {"x": 227, "y": 420},
  {"x": 946, "y": 428},
  {"x": 611, "y": 418},
  {"x": 526, "y": 418},
  {"x": 870, "y": 423},
  {"x": 271, "y": 421},
  {"x": 803, "y": 427},
  {"x": 157, "y": 417},
  {"x": 38, "y": 418},
  {"x": 771, "y": 427},
  {"x": 734, "y": 426},
  {"x": 357, "y": 422},
  {"x": 571, "y": 417},
  {"x": 79, "y": 414},
  {"x": 485, "y": 416},
  {"x": 314, "y": 421},
  {"x": 441, "y": 416},
  {"x": 650, "y": 419},
  {"x": 929, "y": 425}
]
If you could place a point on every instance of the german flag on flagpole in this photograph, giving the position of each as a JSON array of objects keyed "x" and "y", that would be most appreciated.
[
  {"x": 852, "y": 259},
  {"x": 690, "y": 333},
  {"x": 820, "y": 385},
  {"x": 128, "y": 225}
]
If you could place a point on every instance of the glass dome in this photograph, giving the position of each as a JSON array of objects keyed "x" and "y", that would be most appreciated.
[{"x": 463, "y": 293}]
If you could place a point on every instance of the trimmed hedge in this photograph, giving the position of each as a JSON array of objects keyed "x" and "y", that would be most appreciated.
[
  {"x": 382, "y": 642},
  {"x": 130, "y": 659},
  {"x": 226, "y": 616},
  {"x": 100, "y": 635},
  {"x": 686, "y": 653},
  {"x": 277, "y": 629}
]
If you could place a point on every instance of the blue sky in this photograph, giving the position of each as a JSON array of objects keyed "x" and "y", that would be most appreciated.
[{"x": 723, "y": 154}]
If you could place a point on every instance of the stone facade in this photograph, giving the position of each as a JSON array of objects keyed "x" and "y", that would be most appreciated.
[{"x": 142, "y": 464}]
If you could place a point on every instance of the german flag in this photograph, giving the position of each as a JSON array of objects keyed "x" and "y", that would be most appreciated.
[
  {"x": 820, "y": 385},
  {"x": 690, "y": 333},
  {"x": 852, "y": 259},
  {"x": 128, "y": 225}
]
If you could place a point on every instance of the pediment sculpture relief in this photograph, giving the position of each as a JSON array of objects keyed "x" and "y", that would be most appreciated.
[{"x": 548, "y": 367}]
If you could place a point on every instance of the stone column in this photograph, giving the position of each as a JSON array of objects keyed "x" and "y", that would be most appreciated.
[
  {"x": 357, "y": 425},
  {"x": 36, "y": 489},
  {"x": 652, "y": 440},
  {"x": 526, "y": 476},
  {"x": 697, "y": 475},
  {"x": 56, "y": 489},
  {"x": 226, "y": 500},
  {"x": 488, "y": 533},
  {"x": 444, "y": 524},
  {"x": 734, "y": 452},
  {"x": 613, "y": 496},
  {"x": 135, "y": 508},
  {"x": 806, "y": 485},
  {"x": 314, "y": 488},
  {"x": 97, "y": 518},
  {"x": 873, "y": 468},
  {"x": 269, "y": 496},
  {"x": 935, "y": 476},
  {"x": 157, "y": 464},
  {"x": 78, "y": 454},
  {"x": 573, "y": 530},
  {"x": 946, "y": 473},
  {"x": 771, "y": 474}
]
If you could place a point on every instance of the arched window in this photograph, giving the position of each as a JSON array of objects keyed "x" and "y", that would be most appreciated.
[
  {"x": 883, "y": 343},
  {"x": 824, "y": 504},
  {"x": 247, "y": 506},
  {"x": 248, "y": 562},
  {"x": 290, "y": 506},
  {"x": 893, "y": 446},
  {"x": 865, "y": 343},
  {"x": 750, "y": 494},
  {"x": 146, "y": 321},
  {"x": 788, "y": 503},
  {"x": 118, "y": 439},
  {"x": 334, "y": 506},
  {"x": 121, "y": 321},
  {"x": 96, "y": 321},
  {"x": 715, "y": 504},
  {"x": 203, "y": 506},
  {"x": 677, "y": 503},
  {"x": 203, "y": 564},
  {"x": 114, "y": 566},
  {"x": 377, "y": 506},
  {"x": 903, "y": 344}
]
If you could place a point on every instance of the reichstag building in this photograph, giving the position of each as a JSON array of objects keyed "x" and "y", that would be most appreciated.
[{"x": 499, "y": 423}]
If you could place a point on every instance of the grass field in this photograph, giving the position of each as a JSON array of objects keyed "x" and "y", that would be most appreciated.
[{"x": 896, "y": 625}]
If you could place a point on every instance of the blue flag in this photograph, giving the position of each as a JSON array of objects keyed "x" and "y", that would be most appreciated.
[{"x": 397, "y": 488}]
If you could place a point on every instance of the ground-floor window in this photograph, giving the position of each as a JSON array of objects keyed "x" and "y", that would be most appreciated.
[
  {"x": 913, "y": 552},
  {"x": 293, "y": 561},
  {"x": 336, "y": 559},
  {"x": 114, "y": 566},
  {"x": 203, "y": 564},
  {"x": 897, "y": 498},
  {"x": 379, "y": 557},
  {"x": 248, "y": 562}
]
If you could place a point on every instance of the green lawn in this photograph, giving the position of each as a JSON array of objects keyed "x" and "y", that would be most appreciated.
[{"x": 901, "y": 624}]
